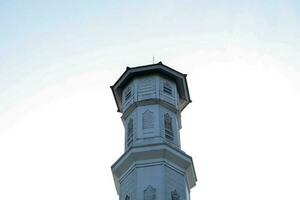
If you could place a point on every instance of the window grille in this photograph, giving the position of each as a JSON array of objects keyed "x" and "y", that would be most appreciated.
[
  {"x": 128, "y": 94},
  {"x": 168, "y": 127},
  {"x": 130, "y": 132},
  {"x": 167, "y": 88}
]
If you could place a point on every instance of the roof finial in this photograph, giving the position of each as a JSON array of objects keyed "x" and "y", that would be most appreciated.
[{"x": 153, "y": 59}]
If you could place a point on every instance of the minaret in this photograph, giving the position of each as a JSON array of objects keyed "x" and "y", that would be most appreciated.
[{"x": 153, "y": 166}]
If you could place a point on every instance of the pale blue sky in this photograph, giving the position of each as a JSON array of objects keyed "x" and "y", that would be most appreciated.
[
  {"x": 37, "y": 35},
  {"x": 67, "y": 27},
  {"x": 58, "y": 59}
]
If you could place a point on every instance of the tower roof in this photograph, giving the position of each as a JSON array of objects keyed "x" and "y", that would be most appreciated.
[{"x": 158, "y": 68}]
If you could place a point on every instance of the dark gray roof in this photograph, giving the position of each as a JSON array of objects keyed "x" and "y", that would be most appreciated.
[{"x": 158, "y": 68}]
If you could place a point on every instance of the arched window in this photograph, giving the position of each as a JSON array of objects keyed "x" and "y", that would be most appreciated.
[
  {"x": 129, "y": 132},
  {"x": 167, "y": 88},
  {"x": 168, "y": 127},
  {"x": 147, "y": 119},
  {"x": 150, "y": 193}
]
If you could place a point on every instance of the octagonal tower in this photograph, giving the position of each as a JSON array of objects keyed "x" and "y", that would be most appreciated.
[{"x": 153, "y": 166}]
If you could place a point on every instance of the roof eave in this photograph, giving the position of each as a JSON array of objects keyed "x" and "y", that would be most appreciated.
[
  {"x": 115, "y": 97},
  {"x": 177, "y": 76}
]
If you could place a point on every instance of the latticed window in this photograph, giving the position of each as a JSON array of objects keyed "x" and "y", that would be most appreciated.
[
  {"x": 168, "y": 127},
  {"x": 167, "y": 88},
  {"x": 130, "y": 132}
]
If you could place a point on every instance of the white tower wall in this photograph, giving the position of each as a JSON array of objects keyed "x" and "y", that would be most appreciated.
[{"x": 153, "y": 166}]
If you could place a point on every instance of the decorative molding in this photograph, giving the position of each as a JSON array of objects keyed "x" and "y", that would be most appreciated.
[{"x": 146, "y": 102}]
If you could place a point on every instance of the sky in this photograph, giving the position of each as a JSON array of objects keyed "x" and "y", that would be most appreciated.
[{"x": 59, "y": 127}]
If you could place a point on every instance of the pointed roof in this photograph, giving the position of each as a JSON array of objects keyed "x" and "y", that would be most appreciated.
[{"x": 158, "y": 68}]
